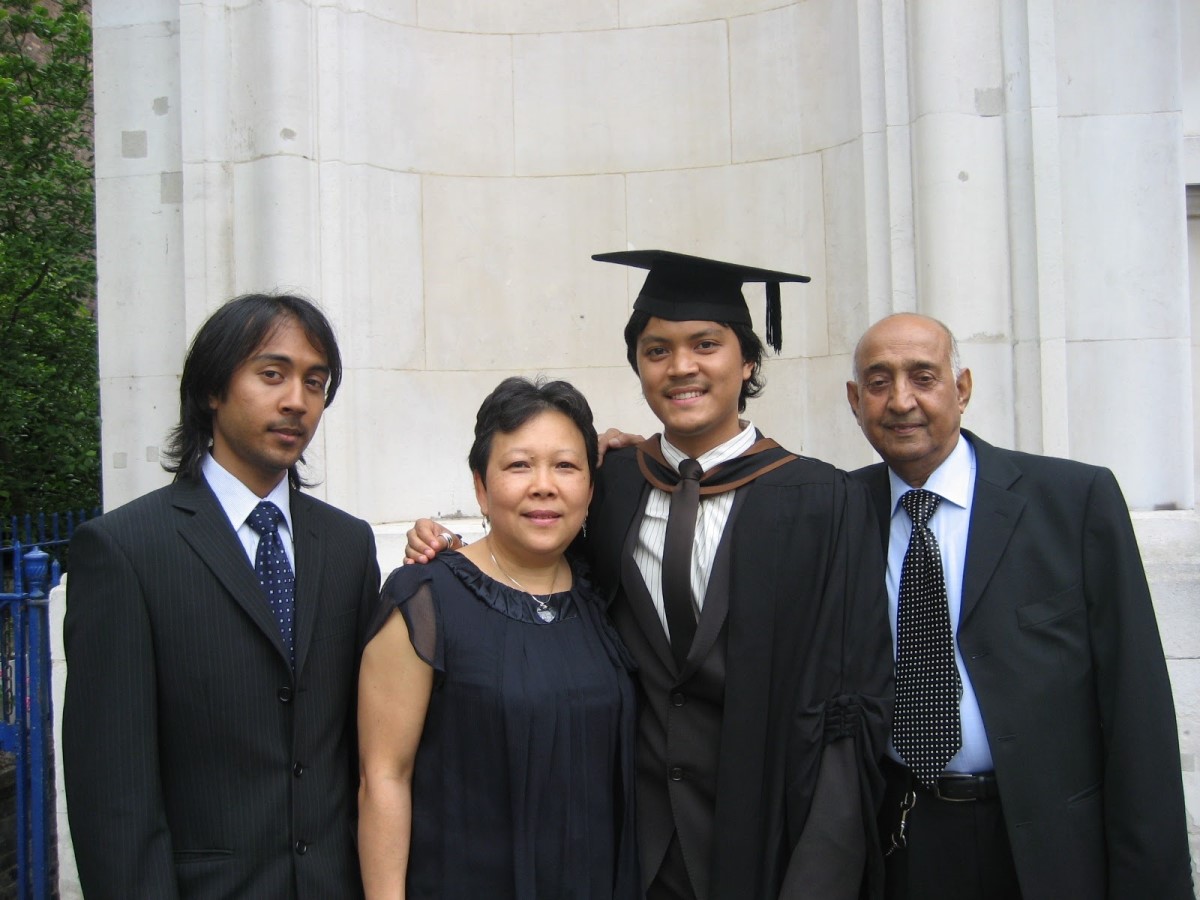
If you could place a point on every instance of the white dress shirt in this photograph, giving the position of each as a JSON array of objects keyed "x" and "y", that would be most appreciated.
[
  {"x": 239, "y": 501},
  {"x": 710, "y": 523},
  {"x": 954, "y": 482}
]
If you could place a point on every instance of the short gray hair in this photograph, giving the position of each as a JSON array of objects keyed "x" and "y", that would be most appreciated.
[{"x": 955, "y": 357}]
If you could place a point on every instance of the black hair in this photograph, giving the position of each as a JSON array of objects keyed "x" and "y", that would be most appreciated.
[
  {"x": 750, "y": 343},
  {"x": 224, "y": 342},
  {"x": 515, "y": 401}
]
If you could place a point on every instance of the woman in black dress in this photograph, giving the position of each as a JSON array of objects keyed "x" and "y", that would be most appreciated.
[{"x": 496, "y": 710}]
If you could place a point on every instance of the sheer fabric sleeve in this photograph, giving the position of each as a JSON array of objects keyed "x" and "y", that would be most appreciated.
[{"x": 409, "y": 589}]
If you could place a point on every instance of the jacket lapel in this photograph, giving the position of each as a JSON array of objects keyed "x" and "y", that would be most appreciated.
[
  {"x": 995, "y": 511},
  {"x": 716, "y": 599},
  {"x": 206, "y": 529},
  {"x": 638, "y": 598},
  {"x": 309, "y": 564}
]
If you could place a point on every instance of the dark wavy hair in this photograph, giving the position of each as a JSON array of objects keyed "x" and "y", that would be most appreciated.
[
  {"x": 223, "y": 343},
  {"x": 752, "y": 352},
  {"x": 514, "y": 402}
]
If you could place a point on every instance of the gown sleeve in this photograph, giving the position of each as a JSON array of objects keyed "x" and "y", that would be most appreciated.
[{"x": 839, "y": 846}]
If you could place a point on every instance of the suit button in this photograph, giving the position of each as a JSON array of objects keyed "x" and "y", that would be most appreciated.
[
  {"x": 301, "y": 848},
  {"x": 676, "y": 773},
  {"x": 678, "y": 699},
  {"x": 298, "y": 770},
  {"x": 284, "y": 694}
]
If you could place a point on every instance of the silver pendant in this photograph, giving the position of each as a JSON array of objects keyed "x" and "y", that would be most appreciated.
[{"x": 546, "y": 614}]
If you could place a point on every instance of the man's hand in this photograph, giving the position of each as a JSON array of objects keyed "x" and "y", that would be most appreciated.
[
  {"x": 426, "y": 539},
  {"x": 615, "y": 439}
]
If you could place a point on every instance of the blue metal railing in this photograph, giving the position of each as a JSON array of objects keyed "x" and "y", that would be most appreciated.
[
  {"x": 26, "y": 725},
  {"x": 50, "y": 531}
]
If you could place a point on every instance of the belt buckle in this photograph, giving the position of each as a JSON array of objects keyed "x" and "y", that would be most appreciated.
[{"x": 952, "y": 776}]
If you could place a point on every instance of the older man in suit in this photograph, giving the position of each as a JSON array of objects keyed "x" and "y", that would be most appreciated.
[
  {"x": 212, "y": 633},
  {"x": 1034, "y": 749}
]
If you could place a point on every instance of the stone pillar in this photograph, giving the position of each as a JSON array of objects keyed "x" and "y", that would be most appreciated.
[
  {"x": 1125, "y": 258},
  {"x": 139, "y": 216}
]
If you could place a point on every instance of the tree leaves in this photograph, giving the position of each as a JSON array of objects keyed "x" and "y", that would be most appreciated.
[{"x": 49, "y": 400}]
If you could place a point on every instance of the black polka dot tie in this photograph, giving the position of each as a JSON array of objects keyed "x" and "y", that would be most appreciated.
[
  {"x": 926, "y": 730},
  {"x": 274, "y": 571}
]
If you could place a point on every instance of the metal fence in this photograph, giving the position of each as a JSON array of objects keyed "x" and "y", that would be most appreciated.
[
  {"x": 33, "y": 552},
  {"x": 49, "y": 531},
  {"x": 25, "y": 729}
]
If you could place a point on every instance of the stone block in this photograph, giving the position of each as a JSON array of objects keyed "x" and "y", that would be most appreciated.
[
  {"x": 955, "y": 55},
  {"x": 274, "y": 228},
  {"x": 1170, "y": 545},
  {"x": 1127, "y": 411},
  {"x": 137, "y": 414},
  {"x": 141, "y": 328},
  {"x": 137, "y": 99},
  {"x": 529, "y": 295},
  {"x": 786, "y": 102},
  {"x": 990, "y": 412},
  {"x": 618, "y": 101},
  {"x": 528, "y": 17},
  {"x": 805, "y": 408},
  {"x": 850, "y": 230},
  {"x": 371, "y": 275},
  {"x": 961, "y": 223},
  {"x": 269, "y": 63},
  {"x": 412, "y": 99},
  {"x": 402, "y": 12},
  {"x": 1117, "y": 57},
  {"x": 123, "y": 13},
  {"x": 1123, "y": 226},
  {"x": 673, "y": 12}
]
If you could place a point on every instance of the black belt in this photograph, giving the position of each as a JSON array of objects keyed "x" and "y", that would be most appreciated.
[
  {"x": 954, "y": 786},
  {"x": 961, "y": 788}
]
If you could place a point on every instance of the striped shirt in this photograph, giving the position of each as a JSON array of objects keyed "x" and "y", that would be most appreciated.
[{"x": 710, "y": 523}]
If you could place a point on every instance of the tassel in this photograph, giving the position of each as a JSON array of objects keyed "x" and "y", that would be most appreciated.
[{"x": 774, "y": 317}]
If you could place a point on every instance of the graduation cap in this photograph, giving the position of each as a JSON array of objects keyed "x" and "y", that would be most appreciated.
[{"x": 681, "y": 288}]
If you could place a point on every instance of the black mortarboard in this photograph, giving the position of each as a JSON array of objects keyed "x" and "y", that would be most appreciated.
[{"x": 680, "y": 288}]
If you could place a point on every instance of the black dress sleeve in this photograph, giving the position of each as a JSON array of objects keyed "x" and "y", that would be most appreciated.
[{"x": 409, "y": 589}]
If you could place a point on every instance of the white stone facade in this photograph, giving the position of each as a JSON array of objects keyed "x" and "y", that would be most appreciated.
[{"x": 437, "y": 173}]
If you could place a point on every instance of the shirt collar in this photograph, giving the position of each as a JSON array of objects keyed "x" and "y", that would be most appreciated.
[
  {"x": 731, "y": 449},
  {"x": 952, "y": 480},
  {"x": 239, "y": 501}
]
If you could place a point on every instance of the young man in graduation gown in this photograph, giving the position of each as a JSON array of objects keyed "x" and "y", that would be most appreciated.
[{"x": 751, "y": 593}]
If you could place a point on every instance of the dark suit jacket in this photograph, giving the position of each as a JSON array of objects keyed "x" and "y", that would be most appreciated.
[
  {"x": 1057, "y": 632},
  {"x": 196, "y": 763}
]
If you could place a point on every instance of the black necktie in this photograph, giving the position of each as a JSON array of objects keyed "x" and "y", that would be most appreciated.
[
  {"x": 677, "y": 560},
  {"x": 926, "y": 732},
  {"x": 274, "y": 571}
]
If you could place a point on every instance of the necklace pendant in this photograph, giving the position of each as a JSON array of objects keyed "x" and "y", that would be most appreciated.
[{"x": 546, "y": 614}]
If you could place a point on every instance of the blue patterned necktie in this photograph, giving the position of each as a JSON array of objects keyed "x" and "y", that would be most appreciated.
[
  {"x": 926, "y": 731},
  {"x": 274, "y": 571}
]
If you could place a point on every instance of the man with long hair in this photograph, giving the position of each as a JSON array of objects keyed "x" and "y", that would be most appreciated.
[{"x": 212, "y": 633}]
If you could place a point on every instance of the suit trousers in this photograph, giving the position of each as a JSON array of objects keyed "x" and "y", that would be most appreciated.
[{"x": 956, "y": 850}]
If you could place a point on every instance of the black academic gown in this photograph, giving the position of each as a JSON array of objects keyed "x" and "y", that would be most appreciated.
[{"x": 791, "y": 658}]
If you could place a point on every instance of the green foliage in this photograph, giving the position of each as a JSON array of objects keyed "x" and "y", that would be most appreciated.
[{"x": 49, "y": 401}]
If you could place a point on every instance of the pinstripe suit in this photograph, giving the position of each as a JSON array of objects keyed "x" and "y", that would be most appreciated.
[{"x": 196, "y": 763}]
